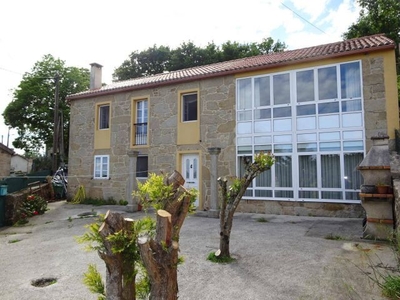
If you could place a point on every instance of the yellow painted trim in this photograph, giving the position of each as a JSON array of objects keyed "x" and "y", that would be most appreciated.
[
  {"x": 102, "y": 137},
  {"x": 179, "y": 155},
  {"x": 391, "y": 93},
  {"x": 134, "y": 100},
  {"x": 188, "y": 133},
  {"x": 291, "y": 66}
]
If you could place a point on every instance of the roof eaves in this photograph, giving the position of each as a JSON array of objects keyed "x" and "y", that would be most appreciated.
[{"x": 320, "y": 54}]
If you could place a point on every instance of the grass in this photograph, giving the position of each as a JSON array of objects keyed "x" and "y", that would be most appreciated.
[
  {"x": 14, "y": 241},
  {"x": 334, "y": 237},
  {"x": 391, "y": 287},
  {"x": 262, "y": 220},
  {"x": 221, "y": 260}
]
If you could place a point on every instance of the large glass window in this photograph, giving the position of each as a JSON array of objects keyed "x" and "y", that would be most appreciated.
[
  {"x": 327, "y": 83},
  {"x": 305, "y": 86},
  {"x": 281, "y": 88},
  {"x": 316, "y": 134},
  {"x": 101, "y": 167}
]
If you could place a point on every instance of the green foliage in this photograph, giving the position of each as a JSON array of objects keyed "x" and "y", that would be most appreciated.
[
  {"x": 31, "y": 110},
  {"x": 262, "y": 220},
  {"x": 98, "y": 201},
  {"x": 157, "y": 194},
  {"x": 142, "y": 282},
  {"x": 391, "y": 287},
  {"x": 234, "y": 188},
  {"x": 92, "y": 279},
  {"x": 334, "y": 237},
  {"x": 378, "y": 16},
  {"x": 92, "y": 237},
  {"x": 157, "y": 59},
  {"x": 264, "y": 161},
  {"x": 154, "y": 192},
  {"x": 31, "y": 206},
  {"x": 220, "y": 259}
]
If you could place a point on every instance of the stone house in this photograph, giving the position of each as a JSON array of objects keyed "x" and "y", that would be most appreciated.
[
  {"x": 315, "y": 108},
  {"x": 5, "y": 160}
]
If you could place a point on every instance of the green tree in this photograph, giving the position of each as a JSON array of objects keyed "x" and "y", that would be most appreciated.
[
  {"x": 31, "y": 111},
  {"x": 156, "y": 59},
  {"x": 378, "y": 16}
]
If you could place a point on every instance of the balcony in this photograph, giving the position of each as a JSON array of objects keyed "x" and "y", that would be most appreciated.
[{"x": 140, "y": 133}]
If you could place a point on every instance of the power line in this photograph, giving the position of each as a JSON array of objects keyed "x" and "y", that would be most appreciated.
[
  {"x": 303, "y": 18},
  {"x": 7, "y": 70}
]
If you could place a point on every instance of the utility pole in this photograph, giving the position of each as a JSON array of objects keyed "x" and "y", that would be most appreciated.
[{"x": 56, "y": 124}]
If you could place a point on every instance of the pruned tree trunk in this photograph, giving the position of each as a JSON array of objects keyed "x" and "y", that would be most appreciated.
[
  {"x": 232, "y": 197},
  {"x": 160, "y": 255},
  {"x": 120, "y": 280}
]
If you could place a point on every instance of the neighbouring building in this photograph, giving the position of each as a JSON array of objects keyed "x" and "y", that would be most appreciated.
[
  {"x": 20, "y": 164},
  {"x": 5, "y": 160},
  {"x": 315, "y": 109}
]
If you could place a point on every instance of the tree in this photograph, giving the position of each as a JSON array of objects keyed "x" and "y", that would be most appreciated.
[
  {"x": 231, "y": 198},
  {"x": 156, "y": 59},
  {"x": 378, "y": 16},
  {"x": 31, "y": 111}
]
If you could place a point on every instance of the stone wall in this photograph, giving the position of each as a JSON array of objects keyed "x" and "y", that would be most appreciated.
[
  {"x": 374, "y": 98},
  {"x": 14, "y": 201},
  {"x": 217, "y": 129},
  {"x": 5, "y": 163},
  {"x": 296, "y": 208}
]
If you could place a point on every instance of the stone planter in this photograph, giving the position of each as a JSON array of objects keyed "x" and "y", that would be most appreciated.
[{"x": 368, "y": 189}]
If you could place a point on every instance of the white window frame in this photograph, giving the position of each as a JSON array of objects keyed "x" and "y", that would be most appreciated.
[
  {"x": 100, "y": 170},
  {"x": 248, "y": 130}
]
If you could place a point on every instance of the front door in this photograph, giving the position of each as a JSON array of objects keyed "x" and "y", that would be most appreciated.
[{"x": 190, "y": 172}]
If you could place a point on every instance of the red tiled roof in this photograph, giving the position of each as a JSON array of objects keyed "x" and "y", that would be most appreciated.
[{"x": 343, "y": 48}]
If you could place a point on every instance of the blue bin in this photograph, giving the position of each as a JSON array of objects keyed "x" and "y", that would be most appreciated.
[{"x": 3, "y": 190}]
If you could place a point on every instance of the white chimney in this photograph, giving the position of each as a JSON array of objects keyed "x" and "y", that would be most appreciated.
[{"x": 95, "y": 76}]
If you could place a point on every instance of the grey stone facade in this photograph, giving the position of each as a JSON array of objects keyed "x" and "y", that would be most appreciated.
[{"x": 217, "y": 129}]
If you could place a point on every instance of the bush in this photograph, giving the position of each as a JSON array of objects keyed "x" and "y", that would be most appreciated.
[{"x": 32, "y": 205}]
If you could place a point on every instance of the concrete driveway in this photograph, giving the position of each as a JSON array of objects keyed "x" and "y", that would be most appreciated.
[{"x": 284, "y": 257}]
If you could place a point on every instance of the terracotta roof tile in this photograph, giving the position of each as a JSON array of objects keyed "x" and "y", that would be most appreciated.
[{"x": 342, "y": 48}]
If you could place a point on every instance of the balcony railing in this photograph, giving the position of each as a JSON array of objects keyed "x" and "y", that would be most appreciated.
[{"x": 140, "y": 133}]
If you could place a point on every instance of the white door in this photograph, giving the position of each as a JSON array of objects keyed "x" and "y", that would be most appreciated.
[{"x": 190, "y": 172}]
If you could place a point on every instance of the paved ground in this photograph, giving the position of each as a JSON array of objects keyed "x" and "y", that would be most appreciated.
[{"x": 286, "y": 257}]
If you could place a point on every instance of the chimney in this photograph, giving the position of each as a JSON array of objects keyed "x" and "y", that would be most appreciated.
[{"x": 95, "y": 76}]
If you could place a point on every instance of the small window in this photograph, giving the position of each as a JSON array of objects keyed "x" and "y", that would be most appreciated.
[
  {"x": 189, "y": 107},
  {"x": 104, "y": 117},
  {"x": 101, "y": 167},
  {"x": 142, "y": 166}
]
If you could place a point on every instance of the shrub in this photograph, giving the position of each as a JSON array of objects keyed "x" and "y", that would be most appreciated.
[{"x": 32, "y": 205}]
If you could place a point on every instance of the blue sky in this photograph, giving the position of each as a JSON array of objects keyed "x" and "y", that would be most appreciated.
[{"x": 81, "y": 32}]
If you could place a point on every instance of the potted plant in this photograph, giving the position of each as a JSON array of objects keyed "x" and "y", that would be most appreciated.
[{"x": 382, "y": 188}]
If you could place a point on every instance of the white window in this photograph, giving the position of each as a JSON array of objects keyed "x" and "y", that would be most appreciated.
[
  {"x": 189, "y": 107},
  {"x": 102, "y": 167},
  {"x": 104, "y": 116},
  {"x": 312, "y": 120}
]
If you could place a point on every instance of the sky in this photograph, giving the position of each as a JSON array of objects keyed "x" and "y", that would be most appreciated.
[{"x": 81, "y": 32}]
